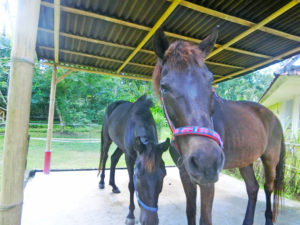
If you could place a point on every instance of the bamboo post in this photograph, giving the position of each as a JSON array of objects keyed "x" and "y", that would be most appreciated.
[
  {"x": 295, "y": 116},
  {"x": 50, "y": 122},
  {"x": 18, "y": 111}
]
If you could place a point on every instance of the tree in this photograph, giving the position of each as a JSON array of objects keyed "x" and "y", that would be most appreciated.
[
  {"x": 249, "y": 87},
  {"x": 5, "y": 50}
]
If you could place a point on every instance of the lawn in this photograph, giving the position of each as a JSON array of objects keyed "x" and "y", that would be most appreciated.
[
  {"x": 77, "y": 154},
  {"x": 70, "y": 155}
]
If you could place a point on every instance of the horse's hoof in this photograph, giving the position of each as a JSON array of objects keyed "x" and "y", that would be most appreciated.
[
  {"x": 269, "y": 222},
  {"x": 116, "y": 190},
  {"x": 130, "y": 221},
  {"x": 101, "y": 186}
]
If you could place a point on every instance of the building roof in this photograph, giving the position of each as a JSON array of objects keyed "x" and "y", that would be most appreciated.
[
  {"x": 115, "y": 37},
  {"x": 285, "y": 84}
]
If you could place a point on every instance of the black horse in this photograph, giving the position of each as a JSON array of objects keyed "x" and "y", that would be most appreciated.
[
  {"x": 199, "y": 119},
  {"x": 132, "y": 128}
]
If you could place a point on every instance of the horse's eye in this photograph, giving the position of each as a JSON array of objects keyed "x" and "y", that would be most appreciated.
[{"x": 164, "y": 87}]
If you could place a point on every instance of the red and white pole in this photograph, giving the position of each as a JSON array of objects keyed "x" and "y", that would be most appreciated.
[
  {"x": 50, "y": 122},
  {"x": 47, "y": 162}
]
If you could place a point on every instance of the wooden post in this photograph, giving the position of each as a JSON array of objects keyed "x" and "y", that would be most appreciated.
[
  {"x": 18, "y": 111},
  {"x": 295, "y": 116},
  {"x": 50, "y": 122}
]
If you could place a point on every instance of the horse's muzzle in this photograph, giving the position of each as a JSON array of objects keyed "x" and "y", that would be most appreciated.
[
  {"x": 148, "y": 218},
  {"x": 204, "y": 168}
]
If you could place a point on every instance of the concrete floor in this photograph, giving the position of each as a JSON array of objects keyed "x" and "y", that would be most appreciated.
[{"x": 73, "y": 198}]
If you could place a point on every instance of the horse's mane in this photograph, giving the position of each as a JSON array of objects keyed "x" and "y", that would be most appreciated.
[
  {"x": 179, "y": 55},
  {"x": 142, "y": 111},
  {"x": 141, "y": 107}
]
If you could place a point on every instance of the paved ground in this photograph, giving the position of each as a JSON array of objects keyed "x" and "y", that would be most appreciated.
[{"x": 73, "y": 198}]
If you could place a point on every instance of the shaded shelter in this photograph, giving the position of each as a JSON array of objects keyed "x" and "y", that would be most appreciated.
[{"x": 114, "y": 38}]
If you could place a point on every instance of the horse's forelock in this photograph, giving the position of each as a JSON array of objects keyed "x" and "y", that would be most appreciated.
[
  {"x": 149, "y": 163},
  {"x": 179, "y": 55}
]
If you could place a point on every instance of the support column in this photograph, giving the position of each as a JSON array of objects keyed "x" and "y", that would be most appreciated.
[
  {"x": 295, "y": 116},
  {"x": 50, "y": 122},
  {"x": 18, "y": 112}
]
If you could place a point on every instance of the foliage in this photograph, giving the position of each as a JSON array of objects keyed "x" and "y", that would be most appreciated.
[
  {"x": 4, "y": 69},
  {"x": 88, "y": 103},
  {"x": 249, "y": 87},
  {"x": 40, "y": 92}
]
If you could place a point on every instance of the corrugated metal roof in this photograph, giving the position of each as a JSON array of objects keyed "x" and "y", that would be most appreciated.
[{"x": 103, "y": 33}]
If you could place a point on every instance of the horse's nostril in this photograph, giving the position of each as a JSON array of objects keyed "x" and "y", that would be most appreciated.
[{"x": 194, "y": 163}]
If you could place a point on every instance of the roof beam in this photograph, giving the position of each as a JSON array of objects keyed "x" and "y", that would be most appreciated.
[
  {"x": 97, "y": 57},
  {"x": 86, "y": 69},
  {"x": 95, "y": 70},
  {"x": 293, "y": 51},
  {"x": 160, "y": 21},
  {"x": 237, "y": 20},
  {"x": 97, "y": 41},
  {"x": 101, "y": 58},
  {"x": 97, "y": 16},
  {"x": 63, "y": 76},
  {"x": 255, "y": 27},
  {"x": 145, "y": 28},
  {"x": 223, "y": 65},
  {"x": 195, "y": 40},
  {"x": 56, "y": 29}
]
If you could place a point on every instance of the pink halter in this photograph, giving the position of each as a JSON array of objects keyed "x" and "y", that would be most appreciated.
[{"x": 191, "y": 130}]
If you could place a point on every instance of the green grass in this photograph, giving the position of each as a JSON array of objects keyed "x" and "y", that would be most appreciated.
[
  {"x": 71, "y": 155},
  {"x": 76, "y": 155},
  {"x": 291, "y": 176}
]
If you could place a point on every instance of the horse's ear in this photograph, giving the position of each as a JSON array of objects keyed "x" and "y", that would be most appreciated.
[
  {"x": 207, "y": 45},
  {"x": 162, "y": 147},
  {"x": 139, "y": 146},
  {"x": 160, "y": 43}
]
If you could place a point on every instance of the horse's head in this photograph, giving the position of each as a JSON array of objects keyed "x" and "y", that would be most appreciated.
[
  {"x": 148, "y": 178},
  {"x": 184, "y": 82}
]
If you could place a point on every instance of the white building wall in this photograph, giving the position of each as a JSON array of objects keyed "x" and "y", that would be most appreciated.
[{"x": 296, "y": 116}]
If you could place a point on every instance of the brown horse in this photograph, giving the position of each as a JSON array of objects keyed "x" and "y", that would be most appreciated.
[{"x": 249, "y": 131}]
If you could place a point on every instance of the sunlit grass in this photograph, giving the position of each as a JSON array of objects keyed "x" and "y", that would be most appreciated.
[{"x": 72, "y": 155}]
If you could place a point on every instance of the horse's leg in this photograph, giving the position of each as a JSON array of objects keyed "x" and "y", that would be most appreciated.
[
  {"x": 190, "y": 188},
  {"x": 270, "y": 173},
  {"x": 252, "y": 190},
  {"x": 105, "y": 147},
  {"x": 130, "y": 220},
  {"x": 114, "y": 160},
  {"x": 207, "y": 197}
]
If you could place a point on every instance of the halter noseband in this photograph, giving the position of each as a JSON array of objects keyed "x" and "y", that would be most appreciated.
[
  {"x": 146, "y": 207},
  {"x": 190, "y": 130}
]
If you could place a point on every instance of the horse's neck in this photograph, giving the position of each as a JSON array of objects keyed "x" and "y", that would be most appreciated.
[{"x": 148, "y": 133}]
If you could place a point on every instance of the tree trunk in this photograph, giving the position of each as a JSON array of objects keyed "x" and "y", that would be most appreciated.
[
  {"x": 61, "y": 120},
  {"x": 3, "y": 99}
]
